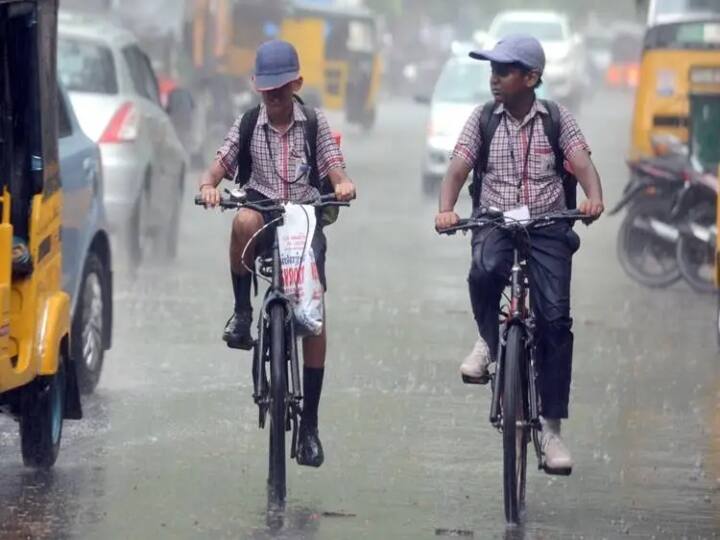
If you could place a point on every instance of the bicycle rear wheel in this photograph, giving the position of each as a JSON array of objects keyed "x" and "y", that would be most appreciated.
[
  {"x": 515, "y": 432},
  {"x": 278, "y": 404}
]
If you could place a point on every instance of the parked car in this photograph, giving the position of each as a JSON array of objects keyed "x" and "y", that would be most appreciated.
[
  {"x": 463, "y": 85},
  {"x": 115, "y": 93},
  {"x": 86, "y": 254},
  {"x": 566, "y": 72}
]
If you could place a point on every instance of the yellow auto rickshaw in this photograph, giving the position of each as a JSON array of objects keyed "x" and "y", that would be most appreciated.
[
  {"x": 677, "y": 54},
  {"x": 38, "y": 386},
  {"x": 340, "y": 53}
]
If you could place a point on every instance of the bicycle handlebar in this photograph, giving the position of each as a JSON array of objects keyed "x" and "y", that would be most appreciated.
[
  {"x": 270, "y": 205},
  {"x": 494, "y": 217}
]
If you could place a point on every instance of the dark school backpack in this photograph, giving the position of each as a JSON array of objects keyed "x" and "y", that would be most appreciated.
[
  {"x": 244, "y": 160},
  {"x": 489, "y": 123}
]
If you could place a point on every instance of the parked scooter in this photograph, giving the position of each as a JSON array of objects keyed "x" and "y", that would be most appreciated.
[{"x": 666, "y": 233}]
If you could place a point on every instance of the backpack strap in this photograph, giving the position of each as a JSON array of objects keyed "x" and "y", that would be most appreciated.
[
  {"x": 245, "y": 134},
  {"x": 552, "y": 123},
  {"x": 311, "y": 135},
  {"x": 489, "y": 122}
]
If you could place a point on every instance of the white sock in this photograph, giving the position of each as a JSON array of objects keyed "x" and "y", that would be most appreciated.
[{"x": 552, "y": 425}]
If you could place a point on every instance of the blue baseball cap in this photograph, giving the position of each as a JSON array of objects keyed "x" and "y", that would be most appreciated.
[
  {"x": 515, "y": 48},
  {"x": 276, "y": 64}
]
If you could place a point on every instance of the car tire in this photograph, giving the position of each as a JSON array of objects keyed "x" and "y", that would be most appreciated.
[
  {"x": 137, "y": 230},
  {"x": 87, "y": 341},
  {"x": 172, "y": 233}
]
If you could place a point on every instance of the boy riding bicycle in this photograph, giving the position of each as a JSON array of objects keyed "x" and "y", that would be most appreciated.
[
  {"x": 275, "y": 161},
  {"x": 519, "y": 168}
]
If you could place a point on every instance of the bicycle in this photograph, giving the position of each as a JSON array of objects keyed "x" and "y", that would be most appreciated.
[
  {"x": 280, "y": 394},
  {"x": 515, "y": 405}
]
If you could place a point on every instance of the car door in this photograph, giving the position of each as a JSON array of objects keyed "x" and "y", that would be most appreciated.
[{"x": 81, "y": 179}]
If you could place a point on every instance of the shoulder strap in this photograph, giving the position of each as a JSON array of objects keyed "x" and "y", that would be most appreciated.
[
  {"x": 311, "y": 135},
  {"x": 245, "y": 133},
  {"x": 489, "y": 122},
  {"x": 551, "y": 125}
]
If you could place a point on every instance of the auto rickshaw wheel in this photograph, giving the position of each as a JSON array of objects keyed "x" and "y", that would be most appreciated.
[
  {"x": 717, "y": 321},
  {"x": 41, "y": 419},
  {"x": 87, "y": 340}
]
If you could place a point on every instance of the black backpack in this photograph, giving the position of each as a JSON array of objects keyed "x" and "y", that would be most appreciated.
[
  {"x": 326, "y": 216},
  {"x": 247, "y": 128},
  {"x": 489, "y": 123}
]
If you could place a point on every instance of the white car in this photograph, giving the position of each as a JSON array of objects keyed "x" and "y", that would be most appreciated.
[
  {"x": 566, "y": 72},
  {"x": 463, "y": 85},
  {"x": 115, "y": 95}
]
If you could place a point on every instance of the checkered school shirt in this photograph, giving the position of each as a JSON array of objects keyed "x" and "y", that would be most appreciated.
[
  {"x": 542, "y": 190},
  {"x": 275, "y": 169}
]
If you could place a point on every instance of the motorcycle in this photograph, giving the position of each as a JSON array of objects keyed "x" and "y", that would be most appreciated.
[{"x": 666, "y": 234}]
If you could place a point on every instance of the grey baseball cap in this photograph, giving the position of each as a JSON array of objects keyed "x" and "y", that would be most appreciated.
[
  {"x": 515, "y": 48},
  {"x": 276, "y": 64}
]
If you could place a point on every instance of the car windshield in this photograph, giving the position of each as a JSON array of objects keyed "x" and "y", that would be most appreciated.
[
  {"x": 84, "y": 66},
  {"x": 542, "y": 30},
  {"x": 687, "y": 35},
  {"x": 464, "y": 82}
]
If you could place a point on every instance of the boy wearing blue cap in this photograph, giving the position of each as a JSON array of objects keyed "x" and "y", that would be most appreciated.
[
  {"x": 519, "y": 148},
  {"x": 281, "y": 150}
]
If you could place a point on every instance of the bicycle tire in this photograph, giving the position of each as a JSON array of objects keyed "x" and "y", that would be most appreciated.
[
  {"x": 278, "y": 405},
  {"x": 515, "y": 438}
]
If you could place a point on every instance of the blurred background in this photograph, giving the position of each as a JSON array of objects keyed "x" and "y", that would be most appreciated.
[{"x": 169, "y": 446}]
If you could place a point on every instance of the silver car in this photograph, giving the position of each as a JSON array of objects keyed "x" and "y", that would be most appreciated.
[{"x": 115, "y": 95}]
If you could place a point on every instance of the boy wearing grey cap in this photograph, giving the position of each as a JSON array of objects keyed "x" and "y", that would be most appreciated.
[{"x": 519, "y": 166}]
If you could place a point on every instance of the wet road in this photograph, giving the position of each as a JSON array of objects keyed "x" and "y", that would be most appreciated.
[{"x": 170, "y": 448}]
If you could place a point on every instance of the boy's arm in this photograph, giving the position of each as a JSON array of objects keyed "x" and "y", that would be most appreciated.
[
  {"x": 221, "y": 167},
  {"x": 588, "y": 177},
  {"x": 464, "y": 156},
  {"x": 331, "y": 163},
  {"x": 344, "y": 187},
  {"x": 455, "y": 177}
]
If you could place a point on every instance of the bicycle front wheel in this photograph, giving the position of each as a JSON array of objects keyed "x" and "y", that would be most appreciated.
[
  {"x": 515, "y": 432},
  {"x": 278, "y": 404}
]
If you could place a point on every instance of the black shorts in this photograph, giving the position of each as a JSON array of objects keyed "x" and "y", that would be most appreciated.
[{"x": 265, "y": 240}]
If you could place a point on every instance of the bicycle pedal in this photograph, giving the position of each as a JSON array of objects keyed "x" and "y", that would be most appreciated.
[
  {"x": 476, "y": 380},
  {"x": 557, "y": 472}
]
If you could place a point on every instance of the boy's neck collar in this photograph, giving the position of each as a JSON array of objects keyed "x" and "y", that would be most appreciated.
[{"x": 521, "y": 108}]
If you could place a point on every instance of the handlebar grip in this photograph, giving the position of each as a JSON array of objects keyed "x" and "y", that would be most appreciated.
[{"x": 199, "y": 200}]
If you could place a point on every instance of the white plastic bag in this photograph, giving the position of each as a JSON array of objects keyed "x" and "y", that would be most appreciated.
[{"x": 301, "y": 280}]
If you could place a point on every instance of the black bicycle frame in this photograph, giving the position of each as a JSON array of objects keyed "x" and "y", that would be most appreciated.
[
  {"x": 261, "y": 355},
  {"x": 520, "y": 313}
]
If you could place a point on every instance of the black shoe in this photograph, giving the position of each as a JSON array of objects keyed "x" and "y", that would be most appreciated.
[
  {"x": 237, "y": 331},
  {"x": 310, "y": 451}
]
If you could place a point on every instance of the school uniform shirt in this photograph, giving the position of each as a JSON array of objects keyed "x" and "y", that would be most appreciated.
[
  {"x": 507, "y": 183},
  {"x": 279, "y": 161}
]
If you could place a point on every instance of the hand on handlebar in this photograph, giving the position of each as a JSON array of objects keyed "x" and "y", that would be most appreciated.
[
  {"x": 592, "y": 207},
  {"x": 345, "y": 191},
  {"x": 210, "y": 195},
  {"x": 445, "y": 220}
]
